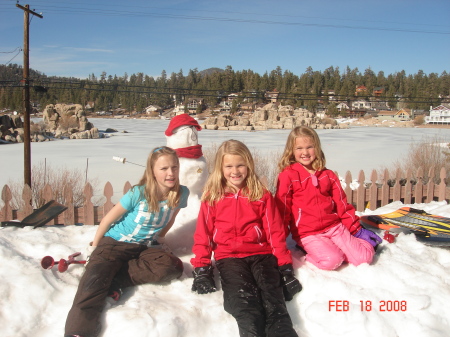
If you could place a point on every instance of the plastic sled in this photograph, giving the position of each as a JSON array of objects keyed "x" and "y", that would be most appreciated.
[
  {"x": 40, "y": 216},
  {"x": 428, "y": 228}
]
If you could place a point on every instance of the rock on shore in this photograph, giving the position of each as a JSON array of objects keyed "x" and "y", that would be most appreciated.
[
  {"x": 271, "y": 116},
  {"x": 59, "y": 121}
]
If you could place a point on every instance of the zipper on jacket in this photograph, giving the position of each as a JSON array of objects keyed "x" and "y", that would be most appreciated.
[
  {"x": 236, "y": 207},
  {"x": 317, "y": 191}
]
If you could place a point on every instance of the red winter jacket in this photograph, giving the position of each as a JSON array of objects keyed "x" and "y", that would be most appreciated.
[
  {"x": 307, "y": 209},
  {"x": 235, "y": 227}
]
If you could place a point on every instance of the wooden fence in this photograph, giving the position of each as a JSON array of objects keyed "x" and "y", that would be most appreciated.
[{"x": 372, "y": 193}]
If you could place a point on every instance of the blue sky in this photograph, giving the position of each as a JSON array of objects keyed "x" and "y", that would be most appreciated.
[{"x": 79, "y": 38}]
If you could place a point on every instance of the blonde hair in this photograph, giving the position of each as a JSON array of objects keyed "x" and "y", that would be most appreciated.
[
  {"x": 288, "y": 157},
  {"x": 217, "y": 185},
  {"x": 150, "y": 184}
]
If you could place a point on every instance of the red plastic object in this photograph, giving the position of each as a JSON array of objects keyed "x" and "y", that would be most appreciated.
[
  {"x": 48, "y": 262},
  {"x": 389, "y": 237}
]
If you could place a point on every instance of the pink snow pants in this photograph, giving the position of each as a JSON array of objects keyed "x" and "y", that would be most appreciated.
[{"x": 328, "y": 250}]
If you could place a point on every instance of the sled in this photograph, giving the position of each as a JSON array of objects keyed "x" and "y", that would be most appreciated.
[
  {"x": 40, "y": 216},
  {"x": 428, "y": 228}
]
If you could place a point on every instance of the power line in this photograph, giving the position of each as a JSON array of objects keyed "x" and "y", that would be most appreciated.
[
  {"x": 220, "y": 93},
  {"x": 140, "y": 13},
  {"x": 9, "y": 52},
  {"x": 140, "y": 8},
  {"x": 20, "y": 50}
]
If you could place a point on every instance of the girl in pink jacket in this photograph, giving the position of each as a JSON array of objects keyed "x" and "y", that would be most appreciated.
[
  {"x": 314, "y": 206},
  {"x": 240, "y": 223}
]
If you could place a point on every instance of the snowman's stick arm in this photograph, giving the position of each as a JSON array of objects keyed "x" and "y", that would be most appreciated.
[{"x": 124, "y": 160}]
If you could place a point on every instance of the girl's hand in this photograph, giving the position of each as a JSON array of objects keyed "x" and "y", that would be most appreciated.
[
  {"x": 291, "y": 285},
  {"x": 203, "y": 280},
  {"x": 368, "y": 236},
  {"x": 88, "y": 251}
]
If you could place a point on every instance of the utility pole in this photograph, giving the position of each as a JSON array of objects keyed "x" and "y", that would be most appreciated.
[{"x": 26, "y": 91}]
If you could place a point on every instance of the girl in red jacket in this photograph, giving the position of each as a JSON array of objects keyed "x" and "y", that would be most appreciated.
[
  {"x": 314, "y": 206},
  {"x": 238, "y": 220}
]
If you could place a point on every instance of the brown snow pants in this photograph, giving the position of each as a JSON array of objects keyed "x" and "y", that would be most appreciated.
[{"x": 127, "y": 264}]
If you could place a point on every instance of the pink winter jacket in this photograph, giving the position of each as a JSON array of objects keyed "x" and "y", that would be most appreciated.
[
  {"x": 237, "y": 227},
  {"x": 307, "y": 209}
]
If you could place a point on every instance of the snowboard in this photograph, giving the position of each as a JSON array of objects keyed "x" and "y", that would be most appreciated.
[{"x": 428, "y": 228}]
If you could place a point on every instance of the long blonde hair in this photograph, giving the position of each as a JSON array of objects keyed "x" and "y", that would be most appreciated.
[
  {"x": 288, "y": 157},
  {"x": 217, "y": 185},
  {"x": 151, "y": 185}
]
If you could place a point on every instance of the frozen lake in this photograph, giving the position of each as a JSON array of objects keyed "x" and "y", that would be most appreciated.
[{"x": 354, "y": 149}]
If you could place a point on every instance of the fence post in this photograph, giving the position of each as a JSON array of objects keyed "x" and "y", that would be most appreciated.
[
  {"x": 408, "y": 187},
  {"x": 373, "y": 191},
  {"x": 361, "y": 193},
  {"x": 69, "y": 214},
  {"x": 430, "y": 185},
  {"x": 385, "y": 188},
  {"x": 27, "y": 197},
  {"x": 7, "y": 209},
  {"x": 47, "y": 195},
  {"x": 88, "y": 206},
  {"x": 348, "y": 189},
  {"x": 126, "y": 187},
  {"x": 396, "y": 195},
  {"x": 442, "y": 187},
  {"x": 418, "y": 193},
  {"x": 108, "y": 193}
]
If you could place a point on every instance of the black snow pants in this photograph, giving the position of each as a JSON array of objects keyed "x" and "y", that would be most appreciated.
[
  {"x": 253, "y": 295},
  {"x": 128, "y": 264}
]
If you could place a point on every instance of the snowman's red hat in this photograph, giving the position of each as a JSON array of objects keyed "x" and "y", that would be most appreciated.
[{"x": 180, "y": 120}]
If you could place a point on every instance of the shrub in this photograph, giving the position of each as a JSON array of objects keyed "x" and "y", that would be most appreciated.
[
  {"x": 428, "y": 153},
  {"x": 58, "y": 179},
  {"x": 419, "y": 120}
]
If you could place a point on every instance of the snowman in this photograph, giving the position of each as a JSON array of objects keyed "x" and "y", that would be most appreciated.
[{"x": 182, "y": 136}]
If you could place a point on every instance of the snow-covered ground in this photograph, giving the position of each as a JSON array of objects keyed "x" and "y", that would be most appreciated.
[{"x": 405, "y": 292}]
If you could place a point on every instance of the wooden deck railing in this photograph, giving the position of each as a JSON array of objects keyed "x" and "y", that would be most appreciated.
[{"x": 373, "y": 193}]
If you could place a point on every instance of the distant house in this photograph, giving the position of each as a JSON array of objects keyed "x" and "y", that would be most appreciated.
[
  {"x": 330, "y": 93},
  {"x": 151, "y": 109},
  {"x": 380, "y": 105},
  {"x": 403, "y": 115},
  {"x": 272, "y": 95},
  {"x": 357, "y": 113},
  {"x": 400, "y": 115},
  {"x": 250, "y": 95},
  {"x": 179, "y": 109},
  {"x": 360, "y": 89},
  {"x": 361, "y": 104},
  {"x": 232, "y": 96},
  {"x": 225, "y": 106},
  {"x": 378, "y": 91},
  {"x": 439, "y": 115},
  {"x": 250, "y": 107},
  {"x": 342, "y": 107},
  {"x": 193, "y": 104}
]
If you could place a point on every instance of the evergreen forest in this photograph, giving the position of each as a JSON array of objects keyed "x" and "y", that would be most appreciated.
[{"x": 312, "y": 88}]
